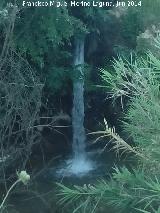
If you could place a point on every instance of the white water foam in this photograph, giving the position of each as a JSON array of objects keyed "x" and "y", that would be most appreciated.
[{"x": 76, "y": 166}]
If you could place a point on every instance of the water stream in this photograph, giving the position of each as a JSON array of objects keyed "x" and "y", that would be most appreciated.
[
  {"x": 79, "y": 137},
  {"x": 79, "y": 164}
]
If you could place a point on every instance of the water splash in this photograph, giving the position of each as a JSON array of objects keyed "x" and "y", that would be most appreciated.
[{"x": 79, "y": 167}]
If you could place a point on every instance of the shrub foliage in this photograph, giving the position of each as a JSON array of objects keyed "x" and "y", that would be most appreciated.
[{"x": 138, "y": 190}]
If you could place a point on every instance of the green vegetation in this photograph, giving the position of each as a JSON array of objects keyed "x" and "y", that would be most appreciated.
[
  {"x": 122, "y": 55},
  {"x": 136, "y": 190},
  {"x": 22, "y": 177}
]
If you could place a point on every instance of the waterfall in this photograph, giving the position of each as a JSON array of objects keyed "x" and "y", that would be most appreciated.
[
  {"x": 79, "y": 138},
  {"x": 79, "y": 164}
]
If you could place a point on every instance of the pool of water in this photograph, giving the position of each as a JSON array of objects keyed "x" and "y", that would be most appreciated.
[{"x": 40, "y": 196}]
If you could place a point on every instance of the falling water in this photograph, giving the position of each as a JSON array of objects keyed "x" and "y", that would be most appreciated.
[
  {"x": 79, "y": 138},
  {"x": 79, "y": 164},
  {"x": 78, "y": 102}
]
